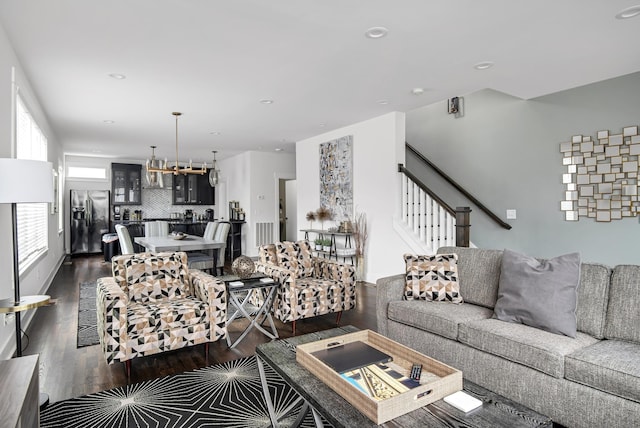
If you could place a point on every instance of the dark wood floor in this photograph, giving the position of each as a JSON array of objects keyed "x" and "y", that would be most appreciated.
[{"x": 67, "y": 371}]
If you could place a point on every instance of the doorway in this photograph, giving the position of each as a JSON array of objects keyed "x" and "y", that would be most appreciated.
[{"x": 287, "y": 209}]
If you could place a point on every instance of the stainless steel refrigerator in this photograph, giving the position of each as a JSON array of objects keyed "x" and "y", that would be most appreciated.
[{"x": 89, "y": 220}]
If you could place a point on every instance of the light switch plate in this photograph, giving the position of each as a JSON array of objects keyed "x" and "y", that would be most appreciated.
[{"x": 511, "y": 214}]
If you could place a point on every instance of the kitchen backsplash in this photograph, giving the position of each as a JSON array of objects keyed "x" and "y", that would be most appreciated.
[{"x": 156, "y": 203}]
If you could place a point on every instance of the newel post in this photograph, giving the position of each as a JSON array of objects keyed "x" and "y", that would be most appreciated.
[{"x": 462, "y": 226}]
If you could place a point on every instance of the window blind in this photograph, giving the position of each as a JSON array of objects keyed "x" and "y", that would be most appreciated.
[{"x": 32, "y": 218}]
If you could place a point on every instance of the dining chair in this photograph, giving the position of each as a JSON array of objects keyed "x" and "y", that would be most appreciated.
[
  {"x": 204, "y": 260},
  {"x": 126, "y": 245},
  {"x": 156, "y": 228},
  {"x": 222, "y": 231}
]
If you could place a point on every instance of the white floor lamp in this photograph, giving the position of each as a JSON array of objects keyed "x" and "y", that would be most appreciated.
[{"x": 23, "y": 181}]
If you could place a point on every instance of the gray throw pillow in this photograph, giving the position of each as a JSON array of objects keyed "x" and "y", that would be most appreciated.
[{"x": 539, "y": 293}]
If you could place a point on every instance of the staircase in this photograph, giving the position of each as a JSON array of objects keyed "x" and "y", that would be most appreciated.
[{"x": 426, "y": 222}]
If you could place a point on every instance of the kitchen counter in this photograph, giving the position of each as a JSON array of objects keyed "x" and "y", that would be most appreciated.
[{"x": 171, "y": 221}]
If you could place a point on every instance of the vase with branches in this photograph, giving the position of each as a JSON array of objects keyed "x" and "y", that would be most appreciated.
[{"x": 360, "y": 236}]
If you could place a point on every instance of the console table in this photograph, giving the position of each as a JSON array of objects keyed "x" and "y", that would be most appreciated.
[
  {"x": 19, "y": 392},
  {"x": 333, "y": 249}
]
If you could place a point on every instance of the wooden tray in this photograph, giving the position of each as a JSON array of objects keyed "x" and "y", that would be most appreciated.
[{"x": 442, "y": 379}]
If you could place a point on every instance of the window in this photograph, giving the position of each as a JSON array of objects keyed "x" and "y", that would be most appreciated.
[
  {"x": 86, "y": 172},
  {"x": 32, "y": 218}
]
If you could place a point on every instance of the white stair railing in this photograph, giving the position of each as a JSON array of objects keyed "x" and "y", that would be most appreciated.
[{"x": 431, "y": 221}]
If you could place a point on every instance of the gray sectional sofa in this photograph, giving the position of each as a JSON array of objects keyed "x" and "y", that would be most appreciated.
[{"x": 592, "y": 380}]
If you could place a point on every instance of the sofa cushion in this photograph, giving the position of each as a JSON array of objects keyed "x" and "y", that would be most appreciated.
[
  {"x": 531, "y": 347},
  {"x": 611, "y": 366},
  {"x": 593, "y": 294},
  {"x": 436, "y": 317},
  {"x": 165, "y": 315},
  {"x": 539, "y": 293},
  {"x": 623, "y": 315},
  {"x": 432, "y": 278},
  {"x": 478, "y": 274}
]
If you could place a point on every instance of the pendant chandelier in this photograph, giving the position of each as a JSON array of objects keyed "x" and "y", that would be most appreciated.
[
  {"x": 175, "y": 169},
  {"x": 214, "y": 174},
  {"x": 154, "y": 179}
]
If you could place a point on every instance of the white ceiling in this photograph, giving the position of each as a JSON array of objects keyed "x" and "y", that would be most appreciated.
[{"x": 214, "y": 60}]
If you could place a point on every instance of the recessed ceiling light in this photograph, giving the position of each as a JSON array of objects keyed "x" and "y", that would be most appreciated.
[
  {"x": 383, "y": 102},
  {"x": 266, "y": 101},
  {"x": 417, "y": 91},
  {"x": 376, "y": 32},
  {"x": 109, "y": 122},
  {"x": 323, "y": 124},
  {"x": 483, "y": 65},
  {"x": 117, "y": 76},
  {"x": 629, "y": 12},
  {"x": 214, "y": 132},
  {"x": 278, "y": 149}
]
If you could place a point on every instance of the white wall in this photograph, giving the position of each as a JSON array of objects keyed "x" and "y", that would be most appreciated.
[
  {"x": 38, "y": 277},
  {"x": 378, "y": 147},
  {"x": 252, "y": 178}
]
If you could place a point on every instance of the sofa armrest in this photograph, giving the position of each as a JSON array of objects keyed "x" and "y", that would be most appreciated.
[
  {"x": 334, "y": 270},
  {"x": 213, "y": 292},
  {"x": 111, "y": 311},
  {"x": 390, "y": 289}
]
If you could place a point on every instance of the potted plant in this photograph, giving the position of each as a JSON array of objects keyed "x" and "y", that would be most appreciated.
[
  {"x": 318, "y": 243},
  {"x": 326, "y": 245}
]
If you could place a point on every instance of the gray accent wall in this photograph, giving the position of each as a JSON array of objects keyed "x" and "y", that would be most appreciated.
[{"x": 505, "y": 152}]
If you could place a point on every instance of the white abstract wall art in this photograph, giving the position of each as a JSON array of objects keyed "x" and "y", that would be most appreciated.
[
  {"x": 601, "y": 178},
  {"x": 336, "y": 177}
]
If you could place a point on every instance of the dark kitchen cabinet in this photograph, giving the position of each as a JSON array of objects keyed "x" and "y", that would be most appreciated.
[
  {"x": 192, "y": 189},
  {"x": 126, "y": 184}
]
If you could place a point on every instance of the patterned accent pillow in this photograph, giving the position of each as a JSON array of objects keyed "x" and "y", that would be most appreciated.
[{"x": 432, "y": 278}]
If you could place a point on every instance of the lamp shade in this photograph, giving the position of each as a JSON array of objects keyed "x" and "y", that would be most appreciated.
[{"x": 24, "y": 181}]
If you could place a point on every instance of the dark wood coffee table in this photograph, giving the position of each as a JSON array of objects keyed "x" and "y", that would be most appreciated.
[{"x": 496, "y": 411}]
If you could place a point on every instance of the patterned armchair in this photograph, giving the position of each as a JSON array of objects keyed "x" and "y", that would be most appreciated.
[
  {"x": 309, "y": 286},
  {"x": 153, "y": 303}
]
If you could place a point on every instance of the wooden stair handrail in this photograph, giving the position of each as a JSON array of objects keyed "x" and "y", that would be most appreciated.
[
  {"x": 428, "y": 191},
  {"x": 458, "y": 187}
]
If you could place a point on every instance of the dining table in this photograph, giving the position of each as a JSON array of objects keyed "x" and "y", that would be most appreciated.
[{"x": 170, "y": 243}]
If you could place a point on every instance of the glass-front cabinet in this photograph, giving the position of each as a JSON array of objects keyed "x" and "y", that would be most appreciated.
[
  {"x": 192, "y": 189},
  {"x": 126, "y": 184}
]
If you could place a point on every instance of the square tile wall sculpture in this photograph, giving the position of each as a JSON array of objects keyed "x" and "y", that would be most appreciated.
[{"x": 602, "y": 176}]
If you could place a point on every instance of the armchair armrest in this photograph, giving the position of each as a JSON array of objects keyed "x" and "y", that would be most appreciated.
[
  {"x": 278, "y": 273},
  {"x": 111, "y": 308},
  {"x": 389, "y": 289},
  {"x": 213, "y": 291},
  {"x": 343, "y": 272}
]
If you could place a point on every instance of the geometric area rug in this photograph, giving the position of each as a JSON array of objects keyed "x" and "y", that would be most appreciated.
[
  {"x": 222, "y": 395},
  {"x": 87, "y": 321}
]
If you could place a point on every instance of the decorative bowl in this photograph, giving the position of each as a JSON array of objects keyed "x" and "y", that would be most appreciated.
[
  {"x": 179, "y": 235},
  {"x": 243, "y": 267}
]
